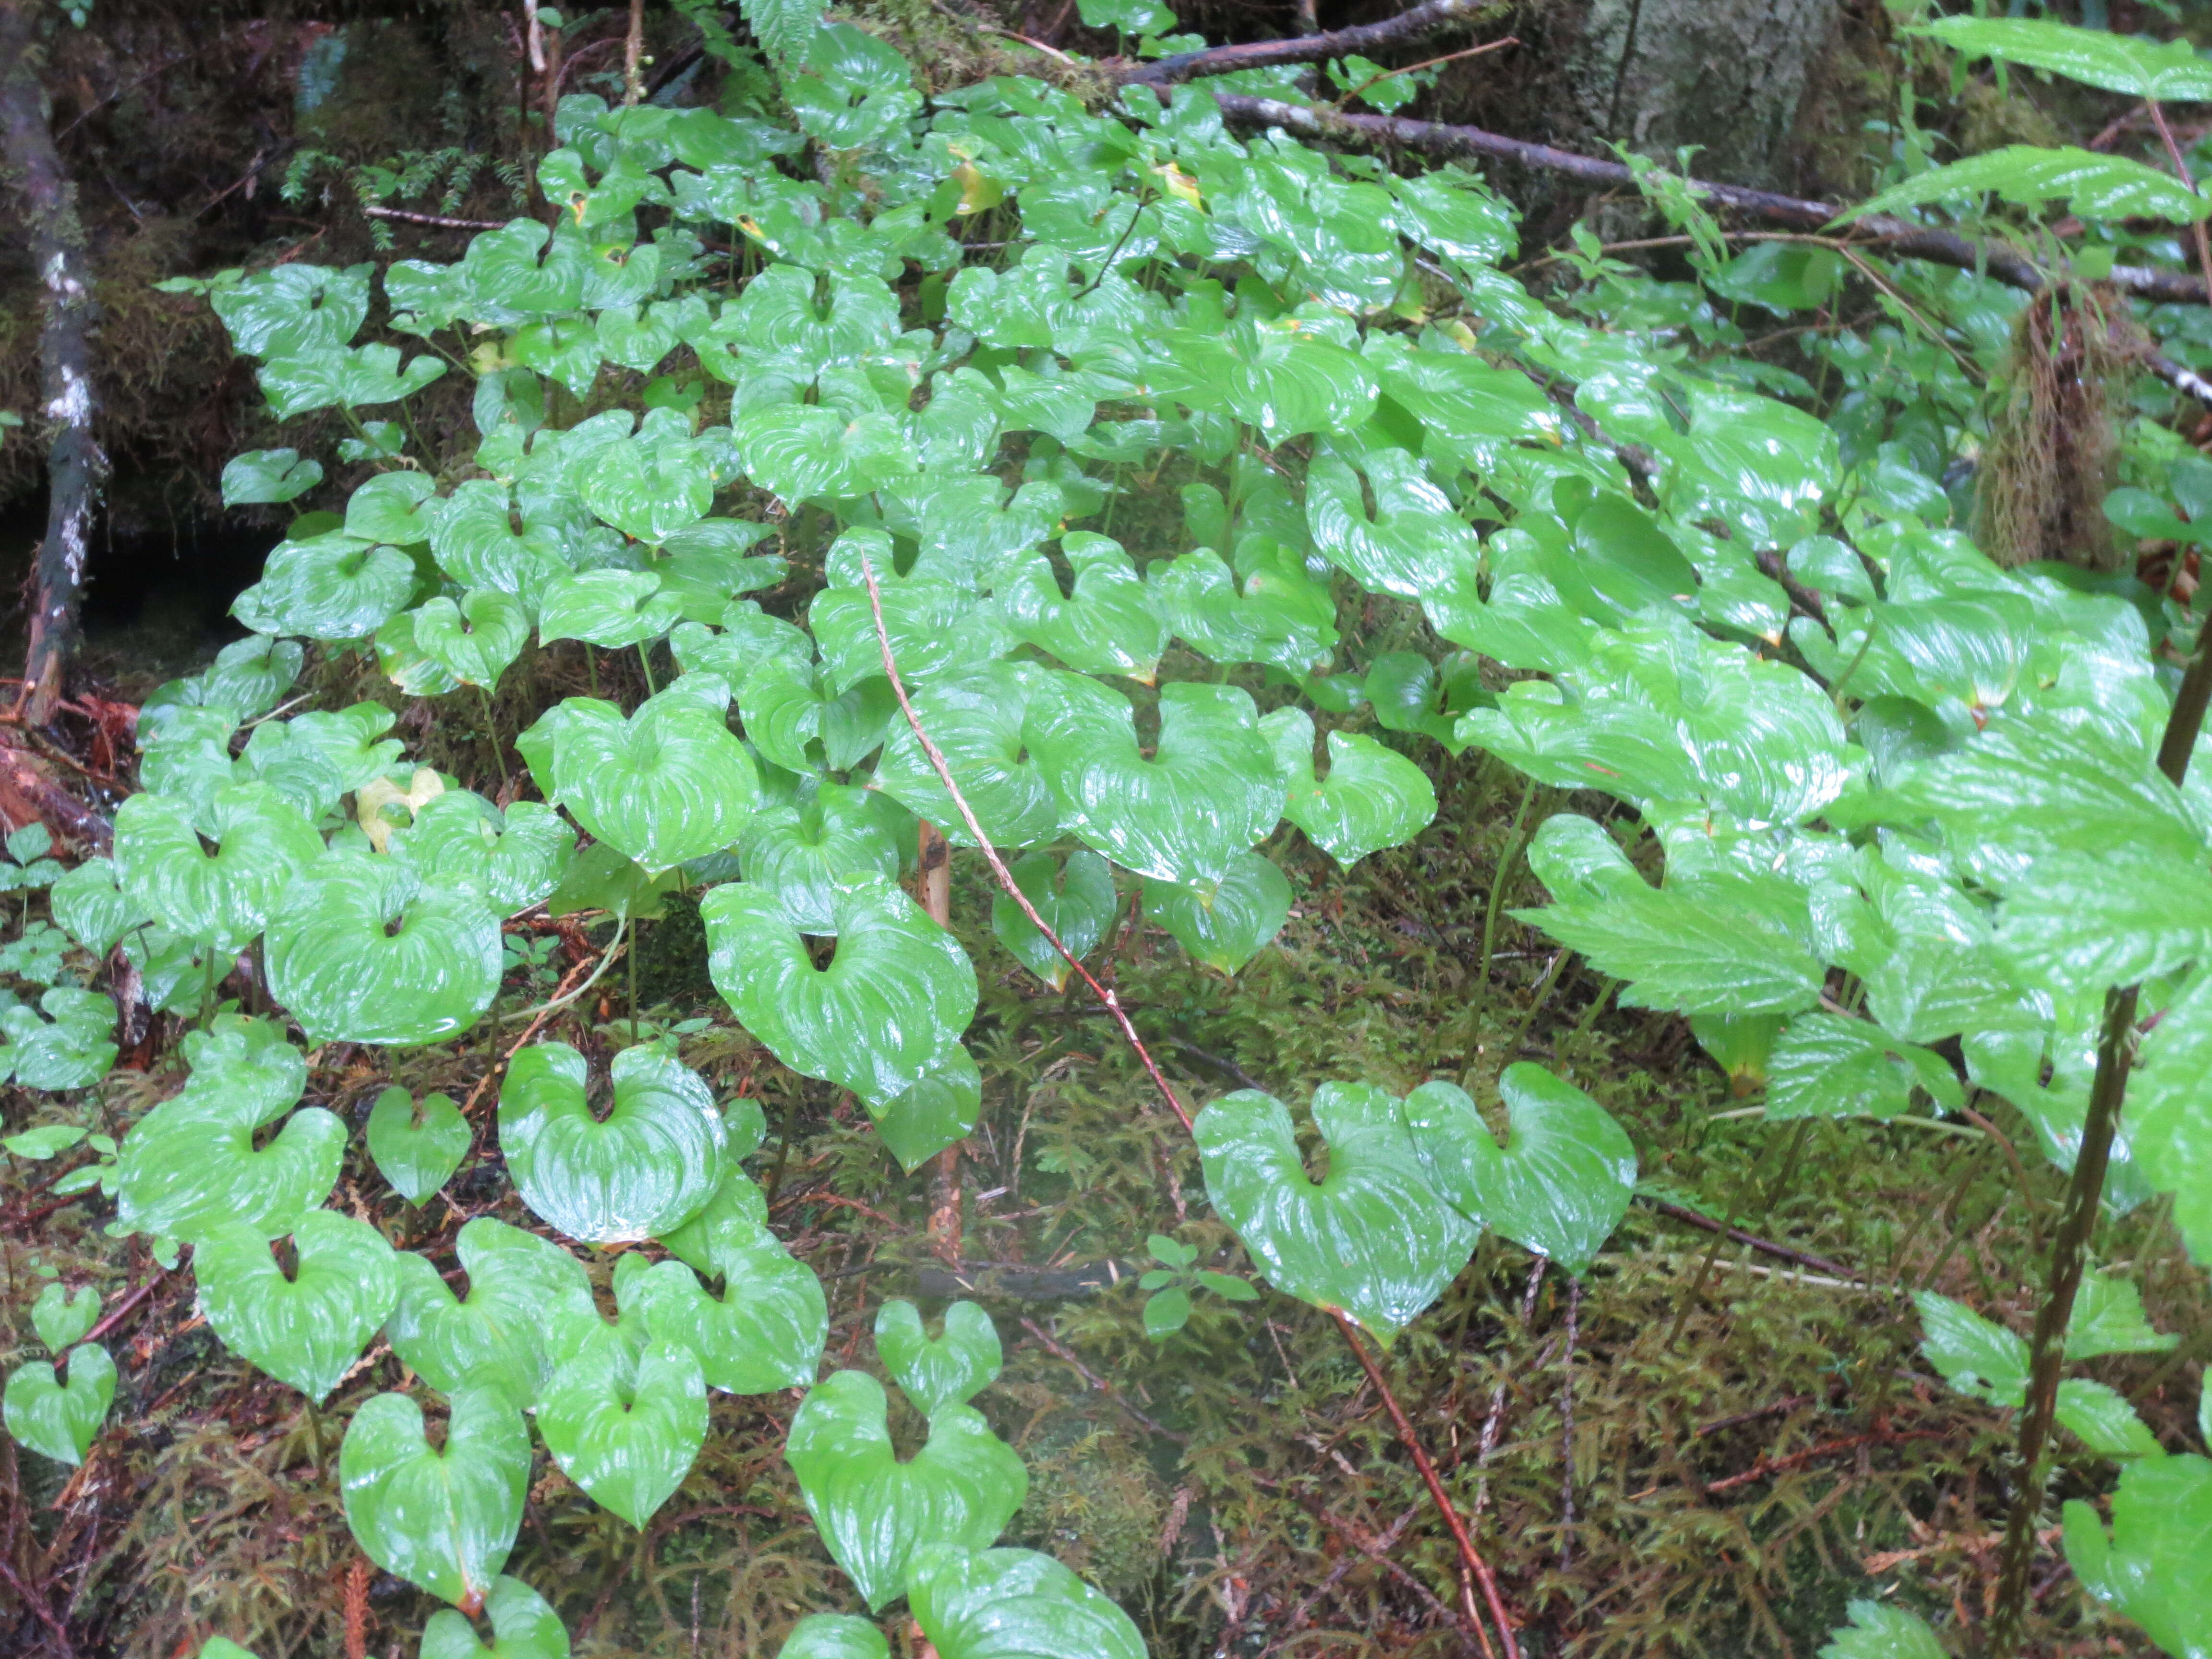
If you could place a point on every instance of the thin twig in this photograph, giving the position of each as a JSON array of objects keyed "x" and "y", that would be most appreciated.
[
  {"x": 1067, "y": 1356},
  {"x": 437, "y": 219},
  {"x": 544, "y": 1013},
  {"x": 1362, "y": 40},
  {"x": 1006, "y": 882},
  {"x": 1470, "y": 1557},
  {"x": 1819, "y": 1264}
]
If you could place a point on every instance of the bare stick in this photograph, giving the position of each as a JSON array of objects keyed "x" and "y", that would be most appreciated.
[
  {"x": 1470, "y": 1557},
  {"x": 1006, "y": 882},
  {"x": 437, "y": 219},
  {"x": 1364, "y": 38}
]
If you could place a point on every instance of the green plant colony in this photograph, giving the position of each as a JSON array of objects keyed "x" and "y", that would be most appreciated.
[{"x": 1925, "y": 802}]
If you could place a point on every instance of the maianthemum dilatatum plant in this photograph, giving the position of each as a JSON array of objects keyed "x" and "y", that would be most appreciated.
[{"x": 1901, "y": 797}]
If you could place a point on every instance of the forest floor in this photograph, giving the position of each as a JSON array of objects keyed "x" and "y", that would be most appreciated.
[{"x": 1705, "y": 1447}]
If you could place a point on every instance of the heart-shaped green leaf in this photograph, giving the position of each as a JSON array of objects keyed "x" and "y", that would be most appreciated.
[
  {"x": 608, "y": 608},
  {"x": 648, "y": 491},
  {"x": 949, "y": 1369},
  {"x": 262, "y": 842},
  {"x": 796, "y": 719},
  {"x": 1109, "y": 625},
  {"x": 268, "y": 475},
  {"x": 887, "y": 1011},
  {"x": 941, "y": 1107},
  {"x": 330, "y": 587},
  {"x": 626, "y": 1425},
  {"x": 1077, "y": 901},
  {"x": 806, "y": 453},
  {"x": 975, "y": 716},
  {"x": 803, "y": 853},
  {"x": 417, "y": 1147},
  {"x": 1413, "y": 545},
  {"x": 472, "y": 640},
  {"x": 68, "y": 1049},
  {"x": 1372, "y": 1238},
  {"x": 477, "y": 545},
  {"x": 190, "y": 1165},
  {"x": 873, "y": 1511},
  {"x": 1013, "y": 1604},
  {"x": 523, "y": 1623},
  {"x": 1560, "y": 1184},
  {"x": 308, "y": 1326},
  {"x": 443, "y": 1520},
  {"x": 670, "y": 783},
  {"x": 362, "y": 950},
  {"x": 1373, "y": 797},
  {"x": 55, "y": 1418},
  {"x": 395, "y": 508},
  {"x": 519, "y": 1286},
  {"x": 1228, "y": 928},
  {"x": 652, "y": 1162},
  {"x": 62, "y": 1317},
  {"x": 1211, "y": 790},
  {"x": 89, "y": 904},
  {"x": 834, "y": 1636},
  {"x": 764, "y": 1331}
]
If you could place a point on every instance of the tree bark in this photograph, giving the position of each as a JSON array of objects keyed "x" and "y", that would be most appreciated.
[{"x": 74, "y": 465}]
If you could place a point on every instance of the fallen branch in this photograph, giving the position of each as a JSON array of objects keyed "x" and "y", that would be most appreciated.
[
  {"x": 1362, "y": 39},
  {"x": 438, "y": 220},
  {"x": 1896, "y": 237}
]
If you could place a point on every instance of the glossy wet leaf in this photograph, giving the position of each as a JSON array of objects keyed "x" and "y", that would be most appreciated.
[
  {"x": 2108, "y": 1318},
  {"x": 1975, "y": 1355},
  {"x": 268, "y": 475},
  {"x": 524, "y": 1626},
  {"x": 1075, "y": 897},
  {"x": 60, "y": 1419},
  {"x": 949, "y": 1369},
  {"x": 61, "y": 1317},
  {"x": 670, "y": 782},
  {"x": 796, "y": 719},
  {"x": 804, "y": 852},
  {"x": 192, "y": 1165},
  {"x": 1372, "y": 1237},
  {"x": 1825, "y": 1065},
  {"x": 1013, "y": 1604},
  {"x": 1372, "y": 798},
  {"x": 875, "y": 1512},
  {"x": 626, "y": 1425},
  {"x": 416, "y": 1147},
  {"x": 473, "y": 639},
  {"x": 1210, "y": 791},
  {"x": 331, "y": 587},
  {"x": 938, "y": 1110},
  {"x": 262, "y": 842},
  {"x": 362, "y": 950},
  {"x": 834, "y": 1636},
  {"x": 89, "y": 904},
  {"x": 71, "y": 1047},
  {"x": 2169, "y": 70},
  {"x": 1108, "y": 625},
  {"x": 2150, "y": 1564},
  {"x": 643, "y": 1168},
  {"x": 887, "y": 1011},
  {"x": 1558, "y": 1186},
  {"x": 763, "y": 1332},
  {"x": 1228, "y": 928},
  {"x": 445, "y": 1519},
  {"x": 306, "y": 1327},
  {"x": 1726, "y": 942},
  {"x": 519, "y": 1286},
  {"x": 974, "y": 715}
]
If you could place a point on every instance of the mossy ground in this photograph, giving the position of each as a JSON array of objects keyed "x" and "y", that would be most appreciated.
[{"x": 1751, "y": 1445}]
